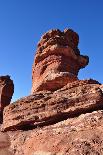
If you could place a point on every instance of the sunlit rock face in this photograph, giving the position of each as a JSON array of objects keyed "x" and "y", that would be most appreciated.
[
  {"x": 6, "y": 92},
  {"x": 47, "y": 107},
  {"x": 63, "y": 115},
  {"x": 57, "y": 60}
]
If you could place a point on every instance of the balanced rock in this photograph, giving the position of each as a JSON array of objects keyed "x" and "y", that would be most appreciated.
[
  {"x": 6, "y": 92},
  {"x": 57, "y": 61}
]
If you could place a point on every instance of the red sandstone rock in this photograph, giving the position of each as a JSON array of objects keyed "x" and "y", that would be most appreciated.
[
  {"x": 81, "y": 135},
  {"x": 57, "y": 60},
  {"x": 6, "y": 92},
  {"x": 44, "y": 108},
  {"x": 66, "y": 117}
]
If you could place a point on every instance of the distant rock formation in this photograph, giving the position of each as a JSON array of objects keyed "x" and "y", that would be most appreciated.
[
  {"x": 63, "y": 115},
  {"x": 6, "y": 92},
  {"x": 57, "y": 61}
]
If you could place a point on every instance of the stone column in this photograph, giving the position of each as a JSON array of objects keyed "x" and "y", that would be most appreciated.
[{"x": 57, "y": 60}]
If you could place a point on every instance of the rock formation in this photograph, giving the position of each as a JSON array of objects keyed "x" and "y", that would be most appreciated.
[
  {"x": 6, "y": 92},
  {"x": 63, "y": 115},
  {"x": 44, "y": 108},
  {"x": 82, "y": 135},
  {"x": 57, "y": 60}
]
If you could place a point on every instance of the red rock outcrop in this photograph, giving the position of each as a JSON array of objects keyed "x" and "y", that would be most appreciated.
[
  {"x": 6, "y": 92},
  {"x": 45, "y": 108},
  {"x": 57, "y": 60},
  {"x": 63, "y": 115},
  {"x": 82, "y": 135}
]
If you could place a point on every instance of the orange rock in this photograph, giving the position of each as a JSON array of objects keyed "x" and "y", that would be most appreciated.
[
  {"x": 64, "y": 115},
  {"x": 57, "y": 60},
  {"x": 46, "y": 107},
  {"x": 80, "y": 135}
]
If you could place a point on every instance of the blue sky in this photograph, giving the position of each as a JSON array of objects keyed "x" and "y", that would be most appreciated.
[{"x": 22, "y": 22}]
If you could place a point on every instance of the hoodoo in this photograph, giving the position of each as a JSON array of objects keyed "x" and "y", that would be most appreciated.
[
  {"x": 63, "y": 115},
  {"x": 57, "y": 60}
]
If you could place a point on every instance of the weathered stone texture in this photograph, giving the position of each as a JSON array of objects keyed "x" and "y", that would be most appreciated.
[
  {"x": 81, "y": 135},
  {"x": 57, "y": 60},
  {"x": 6, "y": 92},
  {"x": 63, "y": 115},
  {"x": 5, "y": 144},
  {"x": 44, "y": 108}
]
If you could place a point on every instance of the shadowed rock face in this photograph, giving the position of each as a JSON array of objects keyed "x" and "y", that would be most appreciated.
[
  {"x": 6, "y": 92},
  {"x": 5, "y": 144},
  {"x": 57, "y": 60}
]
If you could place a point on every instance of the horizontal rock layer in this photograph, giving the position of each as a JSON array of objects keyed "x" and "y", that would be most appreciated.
[
  {"x": 81, "y": 135},
  {"x": 46, "y": 107}
]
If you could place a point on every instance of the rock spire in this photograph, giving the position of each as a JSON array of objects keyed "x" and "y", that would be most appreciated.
[{"x": 57, "y": 60}]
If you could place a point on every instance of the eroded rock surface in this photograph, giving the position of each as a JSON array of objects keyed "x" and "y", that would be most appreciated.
[
  {"x": 81, "y": 135},
  {"x": 5, "y": 144},
  {"x": 57, "y": 60},
  {"x": 64, "y": 115},
  {"x": 6, "y": 92},
  {"x": 46, "y": 107}
]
